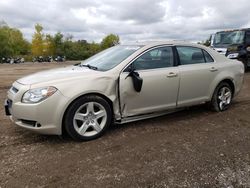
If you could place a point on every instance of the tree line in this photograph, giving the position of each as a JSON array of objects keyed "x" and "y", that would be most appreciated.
[{"x": 13, "y": 44}]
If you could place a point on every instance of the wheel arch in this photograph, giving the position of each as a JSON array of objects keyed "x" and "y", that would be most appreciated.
[
  {"x": 84, "y": 95},
  {"x": 228, "y": 81},
  {"x": 231, "y": 84}
]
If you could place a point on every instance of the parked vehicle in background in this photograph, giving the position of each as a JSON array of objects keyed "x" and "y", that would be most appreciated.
[
  {"x": 11, "y": 60},
  {"x": 41, "y": 59},
  {"x": 38, "y": 59},
  {"x": 211, "y": 40},
  {"x": 122, "y": 84},
  {"x": 7, "y": 60},
  {"x": 234, "y": 44},
  {"x": 60, "y": 58},
  {"x": 48, "y": 59},
  {"x": 19, "y": 60}
]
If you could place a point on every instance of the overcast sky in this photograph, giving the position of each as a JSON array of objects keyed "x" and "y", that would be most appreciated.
[{"x": 132, "y": 20}]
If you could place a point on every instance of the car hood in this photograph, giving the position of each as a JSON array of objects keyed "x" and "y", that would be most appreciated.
[{"x": 57, "y": 74}]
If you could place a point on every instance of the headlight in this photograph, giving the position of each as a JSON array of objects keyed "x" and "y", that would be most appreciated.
[
  {"x": 233, "y": 55},
  {"x": 38, "y": 95}
]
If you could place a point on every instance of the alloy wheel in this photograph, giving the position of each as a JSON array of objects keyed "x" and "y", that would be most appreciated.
[
  {"x": 90, "y": 119},
  {"x": 224, "y": 98}
]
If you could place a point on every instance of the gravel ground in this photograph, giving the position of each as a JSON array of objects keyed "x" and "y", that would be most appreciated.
[{"x": 190, "y": 148}]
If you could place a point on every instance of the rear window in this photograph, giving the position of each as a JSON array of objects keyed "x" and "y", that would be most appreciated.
[{"x": 208, "y": 57}]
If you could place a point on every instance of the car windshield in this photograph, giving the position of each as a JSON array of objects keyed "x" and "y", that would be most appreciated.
[
  {"x": 228, "y": 38},
  {"x": 110, "y": 58}
]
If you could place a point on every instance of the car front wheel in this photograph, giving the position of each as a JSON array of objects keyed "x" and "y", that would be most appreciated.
[
  {"x": 222, "y": 97},
  {"x": 88, "y": 118}
]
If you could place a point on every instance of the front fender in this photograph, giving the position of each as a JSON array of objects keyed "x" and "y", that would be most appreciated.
[{"x": 104, "y": 86}]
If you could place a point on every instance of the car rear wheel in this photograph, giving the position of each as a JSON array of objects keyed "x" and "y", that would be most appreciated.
[
  {"x": 222, "y": 97},
  {"x": 88, "y": 118}
]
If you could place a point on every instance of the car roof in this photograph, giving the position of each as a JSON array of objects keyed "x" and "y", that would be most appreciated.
[
  {"x": 150, "y": 44},
  {"x": 159, "y": 43}
]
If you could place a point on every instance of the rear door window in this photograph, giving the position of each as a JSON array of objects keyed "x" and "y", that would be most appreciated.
[{"x": 190, "y": 55}]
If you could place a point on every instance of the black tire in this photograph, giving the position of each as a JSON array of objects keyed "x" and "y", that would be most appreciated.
[
  {"x": 69, "y": 120},
  {"x": 215, "y": 101}
]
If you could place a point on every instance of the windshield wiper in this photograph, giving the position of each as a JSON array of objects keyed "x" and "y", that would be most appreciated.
[{"x": 89, "y": 66}]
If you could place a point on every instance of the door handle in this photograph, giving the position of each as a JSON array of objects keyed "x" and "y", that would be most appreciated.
[
  {"x": 213, "y": 69},
  {"x": 172, "y": 74}
]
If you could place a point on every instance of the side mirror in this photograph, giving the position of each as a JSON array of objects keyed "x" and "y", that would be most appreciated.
[{"x": 137, "y": 80}]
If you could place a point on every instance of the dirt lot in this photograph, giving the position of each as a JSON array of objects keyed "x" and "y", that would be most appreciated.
[{"x": 191, "y": 148}]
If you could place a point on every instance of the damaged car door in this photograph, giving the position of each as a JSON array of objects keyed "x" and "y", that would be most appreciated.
[
  {"x": 197, "y": 72},
  {"x": 150, "y": 83}
]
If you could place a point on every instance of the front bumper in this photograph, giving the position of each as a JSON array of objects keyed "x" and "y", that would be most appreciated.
[
  {"x": 44, "y": 117},
  {"x": 7, "y": 107}
]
